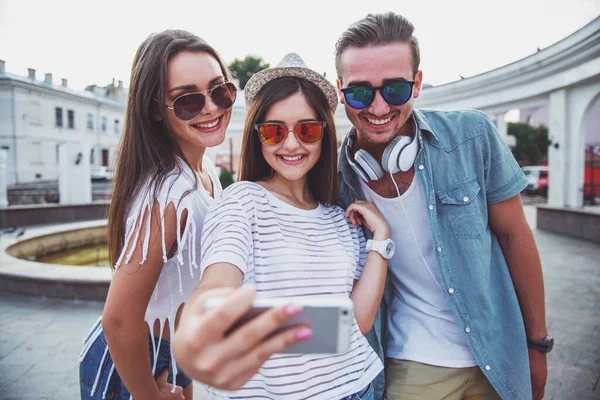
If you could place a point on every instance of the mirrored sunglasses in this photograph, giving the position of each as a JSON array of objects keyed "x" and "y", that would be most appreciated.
[
  {"x": 395, "y": 93},
  {"x": 272, "y": 133},
  {"x": 188, "y": 105}
]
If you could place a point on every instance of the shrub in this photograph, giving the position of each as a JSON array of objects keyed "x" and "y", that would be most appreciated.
[{"x": 226, "y": 177}]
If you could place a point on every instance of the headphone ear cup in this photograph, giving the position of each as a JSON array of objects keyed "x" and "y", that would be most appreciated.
[
  {"x": 390, "y": 161},
  {"x": 408, "y": 155},
  {"x": 370, "y": 166},
  {"x": 362, "y": 174}
]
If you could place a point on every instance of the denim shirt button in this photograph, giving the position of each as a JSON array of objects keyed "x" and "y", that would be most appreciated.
[
  {"x": 439, "y": 249},
  {"x": 487, "y": 368},
  {"x": 467, "y": 329},
  {"x": 421, "y": 167},
  {"x": 430, "y": 207},
  {"x": 466, "y": 199},
  {"x": 451, "y": 290}
]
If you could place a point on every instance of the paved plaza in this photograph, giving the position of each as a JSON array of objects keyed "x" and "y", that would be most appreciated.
[{"x": 40, "y": 339}]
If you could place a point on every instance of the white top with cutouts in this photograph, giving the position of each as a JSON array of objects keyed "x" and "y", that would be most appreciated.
[{"x": 179, "y": 275}]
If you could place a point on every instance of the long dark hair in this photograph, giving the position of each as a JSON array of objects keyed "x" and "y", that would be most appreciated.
[
  {"x": 147, "y": 150},
  {"x": 322, "y": 178}
]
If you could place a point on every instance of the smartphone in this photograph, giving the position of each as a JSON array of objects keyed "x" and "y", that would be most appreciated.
[{"x": 330, "y": 319}]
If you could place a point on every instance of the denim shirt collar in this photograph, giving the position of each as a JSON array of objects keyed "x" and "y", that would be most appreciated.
[
  {"x": 350, "y": 188},
  {"x": 423, "y": 125}
]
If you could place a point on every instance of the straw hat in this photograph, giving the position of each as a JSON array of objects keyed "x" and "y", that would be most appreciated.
[{"x": 290, "y": 65}]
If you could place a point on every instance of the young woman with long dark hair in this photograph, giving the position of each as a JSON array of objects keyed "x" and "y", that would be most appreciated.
[
  {"x": 179, "y": 104},
  {"x": 280, "y": 230}
]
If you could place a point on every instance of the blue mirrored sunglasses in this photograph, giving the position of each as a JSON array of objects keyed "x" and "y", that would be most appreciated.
[{"x": 395, "y": 93}]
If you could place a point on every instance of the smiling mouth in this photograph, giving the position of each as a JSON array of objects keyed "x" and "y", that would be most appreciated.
[
  {"x": 379, "y": 121},
  {"x": 292, "y": 159},
  {"x": 208, "y": 125}
]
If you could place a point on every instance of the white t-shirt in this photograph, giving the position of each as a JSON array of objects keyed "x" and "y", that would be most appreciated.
[
  {"x": 180, "y": 273},
  {"x": 286, "y": 251},
  {"x": 421, "y": 326}
]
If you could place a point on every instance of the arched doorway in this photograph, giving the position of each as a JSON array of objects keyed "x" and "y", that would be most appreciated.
[{"x": 591, "y": 129}]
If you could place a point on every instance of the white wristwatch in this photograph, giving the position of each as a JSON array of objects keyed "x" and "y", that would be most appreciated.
[{"x": 384, "y": 247}]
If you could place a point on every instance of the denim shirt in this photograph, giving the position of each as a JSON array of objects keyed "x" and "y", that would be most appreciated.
[{"x": 463, "y": 165}]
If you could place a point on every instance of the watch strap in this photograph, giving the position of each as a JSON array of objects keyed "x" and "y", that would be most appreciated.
[
  {"x": 380, "y": 246},
  {"x": 544, "y": 346},
  {"x": 374, "y": 245}
]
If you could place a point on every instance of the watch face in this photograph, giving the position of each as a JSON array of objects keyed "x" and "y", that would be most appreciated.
[{"x": 389, "y": 249}]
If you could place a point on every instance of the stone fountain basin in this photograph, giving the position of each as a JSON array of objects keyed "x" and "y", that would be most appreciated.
[{"x": 19, "y": 275}]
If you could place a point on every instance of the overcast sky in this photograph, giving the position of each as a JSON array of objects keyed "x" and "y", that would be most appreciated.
[{"x": 93, "y": 42}]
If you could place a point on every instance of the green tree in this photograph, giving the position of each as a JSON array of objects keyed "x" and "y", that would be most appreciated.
[
  {"x": 532, "y": 143},
  {"x": 226, "y": 178},
  {"x": 244, "y": 69}
]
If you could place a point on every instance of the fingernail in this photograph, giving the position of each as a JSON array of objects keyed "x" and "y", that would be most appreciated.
[
  {"x": 292, "y": 309},
  {"x": 303, "y": 334}
]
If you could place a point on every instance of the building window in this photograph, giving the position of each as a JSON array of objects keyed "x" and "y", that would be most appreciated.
[
  {"x": 34, "y": 113},
  {"x": 90, "y": 122},
  {"x": 35, "y": 153},
  {"x": 71, "y": 118},
  {"x": 117, "y": 128},
  {"x": 103, "y": 125},
  {"x": 59, "y": 117},
  {"x": 92, "y": 156},
  {"x": 57, "y": 155},
  {"x": 105, "y": 157}
]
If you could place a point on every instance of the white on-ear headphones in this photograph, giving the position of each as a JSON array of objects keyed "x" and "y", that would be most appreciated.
[{"x": 399, "y": 155}]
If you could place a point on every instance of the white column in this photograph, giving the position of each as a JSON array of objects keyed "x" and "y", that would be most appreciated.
[
  {"x": 575, "y": 151},
  {"x": 502, "y": 126},
  {"x": 64, "y": 191},
  {"x": 3, "y": 178},
  {"x": 557, "y": 157},
  {"x": 74, "y": 174}
]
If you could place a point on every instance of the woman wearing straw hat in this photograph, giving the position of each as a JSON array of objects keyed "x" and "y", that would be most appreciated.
[{"x": 269, "y": 229}]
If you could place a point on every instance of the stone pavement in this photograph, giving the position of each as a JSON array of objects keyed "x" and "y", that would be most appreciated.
[{"x": 40, "y": 339}]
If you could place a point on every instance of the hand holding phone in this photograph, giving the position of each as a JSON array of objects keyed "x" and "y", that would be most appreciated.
[
  {"x": 330, "y": 319},
  {"x": 204, "y": 351}
]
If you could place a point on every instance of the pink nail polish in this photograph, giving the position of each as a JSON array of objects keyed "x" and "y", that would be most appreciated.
[
  {"x": 292, "y": 309},
  {"x": 304, "y": 334}
]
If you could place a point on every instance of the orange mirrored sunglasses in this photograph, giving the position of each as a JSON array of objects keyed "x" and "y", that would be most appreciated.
[{"x": 272, "y": 133}]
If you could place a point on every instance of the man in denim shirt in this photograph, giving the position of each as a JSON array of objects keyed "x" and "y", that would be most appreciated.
[{"x": 465, "y": 290}]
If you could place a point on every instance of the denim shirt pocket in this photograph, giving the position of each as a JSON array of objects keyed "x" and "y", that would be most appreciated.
[{"x": 460, "y": 205}]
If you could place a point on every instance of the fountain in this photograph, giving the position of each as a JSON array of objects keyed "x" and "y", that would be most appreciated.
[
  {"x": 68, "y": 261},
  {"x": 79, "y": 247}
]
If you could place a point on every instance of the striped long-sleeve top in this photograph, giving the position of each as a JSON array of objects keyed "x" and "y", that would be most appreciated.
[{"x": 285, "y": 251}]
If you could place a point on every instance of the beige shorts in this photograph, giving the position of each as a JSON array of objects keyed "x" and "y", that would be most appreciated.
[{"x": 412, "y": 380}]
